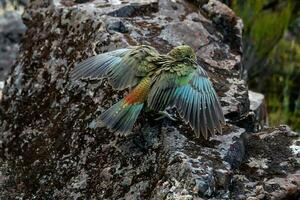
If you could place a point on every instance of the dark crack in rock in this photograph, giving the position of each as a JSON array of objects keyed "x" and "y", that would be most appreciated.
[
  {"x": 136, "y": 9},
  {"x": 116, "y": 25}
]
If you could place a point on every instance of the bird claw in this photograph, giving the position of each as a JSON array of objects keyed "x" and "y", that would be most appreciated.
[{"x": 165, "y": 114}]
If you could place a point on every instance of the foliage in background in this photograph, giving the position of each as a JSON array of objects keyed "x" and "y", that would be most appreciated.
[
  {"x": 272, "y": 55},
  {"x": 282, "y": 86},
  {"x": 265, "y": 22}
]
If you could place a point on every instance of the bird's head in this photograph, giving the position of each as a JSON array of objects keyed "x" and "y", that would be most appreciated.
[{"x": 183, "y": 52}]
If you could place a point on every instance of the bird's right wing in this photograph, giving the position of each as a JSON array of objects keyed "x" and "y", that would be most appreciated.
[
  {"x": 123, "y": 67},
  {"x": 192, "y": 93}
]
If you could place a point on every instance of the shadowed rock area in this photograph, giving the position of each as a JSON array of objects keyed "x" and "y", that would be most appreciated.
[{"x": 52, "y": 145}]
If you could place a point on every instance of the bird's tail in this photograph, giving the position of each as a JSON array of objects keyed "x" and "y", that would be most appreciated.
[{"x": 121, "y": 116}]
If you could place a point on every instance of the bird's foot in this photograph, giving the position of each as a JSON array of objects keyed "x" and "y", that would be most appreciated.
[{"x": 165, "y": 114}]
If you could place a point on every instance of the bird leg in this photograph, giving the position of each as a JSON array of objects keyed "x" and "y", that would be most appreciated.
[{"x": 165, "y": 114}]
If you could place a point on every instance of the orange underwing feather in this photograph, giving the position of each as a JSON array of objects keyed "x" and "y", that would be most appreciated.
[{"x": 139, "y": 93}]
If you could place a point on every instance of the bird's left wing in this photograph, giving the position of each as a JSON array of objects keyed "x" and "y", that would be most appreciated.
[
  {"x": 192, "y": 93},
  {"x": 123, "y": 67}
]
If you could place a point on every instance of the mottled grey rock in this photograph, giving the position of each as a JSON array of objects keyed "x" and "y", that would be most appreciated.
[
  {"x": 52, "y": 144},
  {"x": 258, "y": 109},
  {"x": 8, "y": 4},
  {"x": 257, "y": 118},
  {"x": 11, "y": 31},
  {"x": 196, "y": 170},
  {"x": 1, "y": 88},
  {"x": 272, "y": 166}
]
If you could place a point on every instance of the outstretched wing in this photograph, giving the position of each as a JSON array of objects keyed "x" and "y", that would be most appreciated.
[
  {"x": 123, "y": 67},
  {"x": 191, "y": 92}
]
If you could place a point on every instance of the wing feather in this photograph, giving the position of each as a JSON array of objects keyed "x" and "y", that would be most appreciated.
[
  {"x": 123, "y": 67},
  {"x": 98, "y": 63},
  {"x": 194, "y": 97},
  {"x": 203, "y": 116}
]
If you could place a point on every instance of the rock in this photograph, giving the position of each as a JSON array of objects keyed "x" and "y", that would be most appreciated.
[
  {"x": 135, "y": 9},
  {"x": 51, "y": 142},
  {"x": 257, "y": 117},
  {"x": 193, "y": 169},
  {"x": 227, "y": 22},
  {"x": 272, "y": 165},
  {"x": 259, "y": 110},
  {"x": 117, "y": 26},
  {"x": 11, "y": 31},
  {"x": 12, "y": 4}
]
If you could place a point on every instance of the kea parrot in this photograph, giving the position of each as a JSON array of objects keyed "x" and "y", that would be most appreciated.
[{"x": 157, "y": 81}]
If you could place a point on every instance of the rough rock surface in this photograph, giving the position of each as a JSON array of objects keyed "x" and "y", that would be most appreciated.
[
  {"x": 52, "y": 145},
  {"x": 272, "y": 166},
  {"x": 259, "y": 110},
  {"x": 11, "y": 31}
]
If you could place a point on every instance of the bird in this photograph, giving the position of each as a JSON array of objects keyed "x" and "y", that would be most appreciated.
[{"x": 157, "y": 82}]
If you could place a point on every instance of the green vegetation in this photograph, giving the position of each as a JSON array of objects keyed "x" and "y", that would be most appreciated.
[
  {"x": 282, "y": 86},
  {"x": 272, "y": 55}
]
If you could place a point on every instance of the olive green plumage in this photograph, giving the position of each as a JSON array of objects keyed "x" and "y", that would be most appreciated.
[{"x": 158, "y": 81}]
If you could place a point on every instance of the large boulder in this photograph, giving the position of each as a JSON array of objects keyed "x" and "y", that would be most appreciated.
[{"x": 52, "y": 145}]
